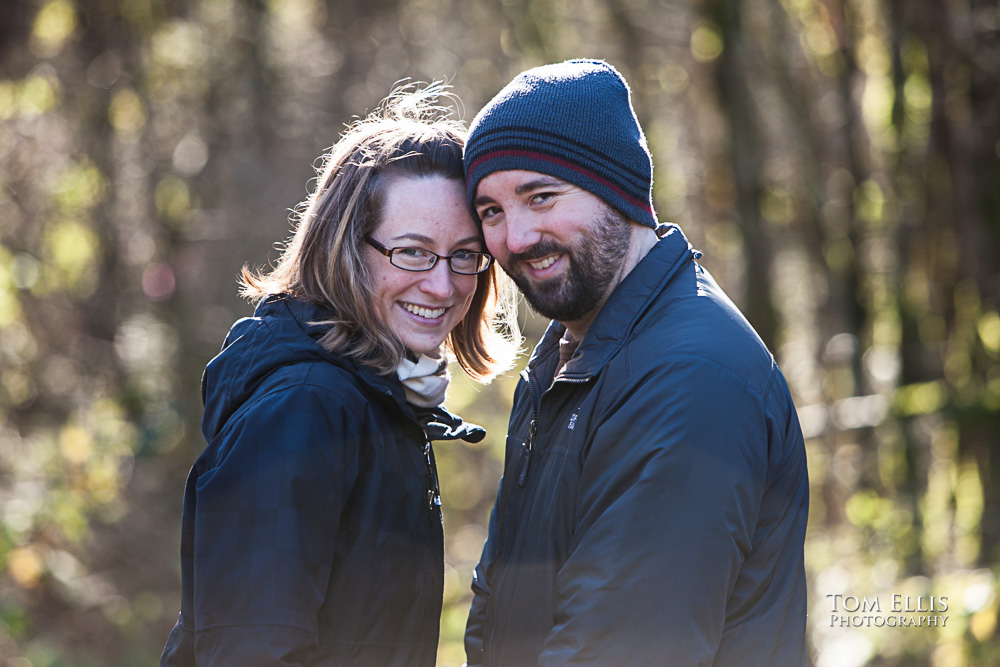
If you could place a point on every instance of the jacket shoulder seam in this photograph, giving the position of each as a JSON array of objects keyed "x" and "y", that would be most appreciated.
[
  {"x": 307, "y": 380},
  {"x": 260, "y": 624},
  {"x": 285, "y": 389},
  {"x": 666, "y": 360},
  {"x": 771, "y": 377}
]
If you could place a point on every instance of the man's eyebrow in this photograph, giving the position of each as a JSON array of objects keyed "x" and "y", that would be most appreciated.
[
  {"x": 543, "y": 182},
  {"x": 481, "y": 200},
  {"x": 534, "y": 184}
]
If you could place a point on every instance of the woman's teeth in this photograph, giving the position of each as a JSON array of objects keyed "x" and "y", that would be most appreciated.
[
  {"x": 428, "y": 313},
  {"x": 544, "y": 264}
]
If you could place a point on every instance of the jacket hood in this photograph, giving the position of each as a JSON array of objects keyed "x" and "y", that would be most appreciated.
[
  {"x": 254, "y": 348},
  {"x": 284, "y": 331}
]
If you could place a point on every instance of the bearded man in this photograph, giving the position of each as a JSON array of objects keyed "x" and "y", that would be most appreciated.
[{"x": 654, "y": 499}]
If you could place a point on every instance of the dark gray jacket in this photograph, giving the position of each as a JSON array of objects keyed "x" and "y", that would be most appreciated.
[
  {"x": 654, "y": 500},
  {"x": 309, "y": 537}
]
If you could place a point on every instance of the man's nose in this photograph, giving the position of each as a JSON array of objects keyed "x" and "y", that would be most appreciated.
[{"x": 522, "y": 232}]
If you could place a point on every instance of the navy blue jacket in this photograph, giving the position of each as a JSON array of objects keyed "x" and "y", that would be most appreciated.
[
  {"x": 654, "y": 499},
  {"x": 311, "y": 535}
]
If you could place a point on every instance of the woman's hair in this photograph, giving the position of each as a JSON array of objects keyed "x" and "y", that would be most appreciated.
[{"x": 409, "y": 135}]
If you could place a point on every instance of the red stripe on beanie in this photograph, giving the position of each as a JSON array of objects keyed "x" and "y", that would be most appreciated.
[{"x": 645, "y": 206}]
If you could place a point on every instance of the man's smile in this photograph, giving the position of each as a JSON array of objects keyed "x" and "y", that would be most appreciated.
[{"x": 544, "y": 263}]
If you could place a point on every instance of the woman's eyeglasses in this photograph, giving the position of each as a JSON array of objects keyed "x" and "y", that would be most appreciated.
[{"x": 463, "y": 262}]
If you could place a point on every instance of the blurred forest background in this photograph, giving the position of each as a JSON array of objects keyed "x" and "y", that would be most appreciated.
[{"x": 838, "y": 161}]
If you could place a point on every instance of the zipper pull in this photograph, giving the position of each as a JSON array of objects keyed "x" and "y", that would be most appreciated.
[
  {"x": 523, "y": 479},
  {"x": 433, "y": 491}
]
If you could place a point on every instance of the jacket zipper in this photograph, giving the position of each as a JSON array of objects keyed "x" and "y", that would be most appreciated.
[
  {"x": 507, "y": 542},
  {"x": 532, "y": 430},
  {"x": 433, "y": 485},
  {"x": 433, "y": 501},
  {"x": 515, "y": 512}
]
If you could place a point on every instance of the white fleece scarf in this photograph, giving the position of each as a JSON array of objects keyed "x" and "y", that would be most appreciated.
[{"x": 425, "y": 380}]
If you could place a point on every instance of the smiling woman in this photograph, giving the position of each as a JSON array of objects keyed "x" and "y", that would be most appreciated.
[
  {"x": 424, "y": 301},
  {"x": 312, "y": 524},
  {"x": 399, "y": 167}
]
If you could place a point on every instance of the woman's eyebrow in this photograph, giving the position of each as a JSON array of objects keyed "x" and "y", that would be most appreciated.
[
  {"x": 420, "y": 238},
  {"x": 413, "y": 236}
]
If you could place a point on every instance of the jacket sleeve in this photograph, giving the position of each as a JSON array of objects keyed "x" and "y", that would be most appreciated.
[
  {"x": 481, "y": 593},
  {"x": 266, "y": 521},
  {"x": 669, "y": 494}
]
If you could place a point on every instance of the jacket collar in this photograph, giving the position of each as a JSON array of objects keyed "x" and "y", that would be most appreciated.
[
  {"x": 437, "y": 423},
  {"x": 622, "y": 311}
]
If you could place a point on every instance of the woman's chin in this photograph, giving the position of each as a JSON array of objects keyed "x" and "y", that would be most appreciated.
[{"x": 425, "y": 344}]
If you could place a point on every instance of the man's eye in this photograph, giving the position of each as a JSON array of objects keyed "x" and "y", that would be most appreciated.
[
  {"x": 541, "y": 197},
  {"x": 489, "y": 212}
]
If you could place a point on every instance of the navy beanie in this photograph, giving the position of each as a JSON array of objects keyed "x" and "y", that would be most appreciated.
[{"x": 572, "y": 120}]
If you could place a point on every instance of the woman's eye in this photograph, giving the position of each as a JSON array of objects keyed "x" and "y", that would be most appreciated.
[{"x": 410, "y": 252}]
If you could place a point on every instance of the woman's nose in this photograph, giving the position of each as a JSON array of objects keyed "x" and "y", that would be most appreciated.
[{"x": 439, "y": 280}]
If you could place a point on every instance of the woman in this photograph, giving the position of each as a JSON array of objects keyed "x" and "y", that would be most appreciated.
[{"x": 312, "y": 524}]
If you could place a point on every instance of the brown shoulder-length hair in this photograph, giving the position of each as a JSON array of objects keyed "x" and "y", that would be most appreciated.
[{"x": 409, "y": 135}]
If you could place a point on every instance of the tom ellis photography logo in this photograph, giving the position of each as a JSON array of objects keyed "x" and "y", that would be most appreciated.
[{"x": 895, "y": 611}]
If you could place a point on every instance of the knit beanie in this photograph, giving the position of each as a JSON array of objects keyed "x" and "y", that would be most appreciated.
[{"x": 572, "y": 120}]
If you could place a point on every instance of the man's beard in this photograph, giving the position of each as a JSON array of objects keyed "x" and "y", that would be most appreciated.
[{"x": 594, "y": 265}]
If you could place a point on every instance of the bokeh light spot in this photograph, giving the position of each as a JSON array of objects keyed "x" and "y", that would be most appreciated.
[
  {"x": 39, "y": 94},
  {"x": 25, "y": 566},
  {"x": 706, "y": 44},
  {"x": 190, "y": 155},
  {"x": 127, "y": 112},
  {"x": 75, "y": 444},
  {"x": 158, "y": 281},
  {"x": 54, "y": 24}
]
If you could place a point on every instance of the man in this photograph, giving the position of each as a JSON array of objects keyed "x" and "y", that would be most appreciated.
[{"x": 654, "y": 499}]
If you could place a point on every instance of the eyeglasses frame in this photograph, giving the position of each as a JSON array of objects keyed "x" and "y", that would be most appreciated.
[{"x": 388, "y": 252}]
